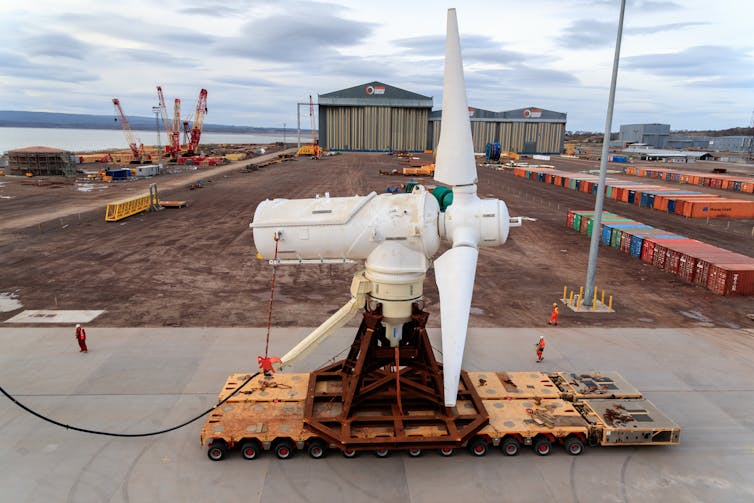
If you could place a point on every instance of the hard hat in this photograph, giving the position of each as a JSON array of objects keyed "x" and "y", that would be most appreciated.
[
  {"x": 554, "y": 304},
  {"x": 78, "y": 326},
  {"x": 541, "y": 337}
]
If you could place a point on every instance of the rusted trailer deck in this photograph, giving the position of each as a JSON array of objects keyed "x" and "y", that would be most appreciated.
[{"x": 534, "y": 409}]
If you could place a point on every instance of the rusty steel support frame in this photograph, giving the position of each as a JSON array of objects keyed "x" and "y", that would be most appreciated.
[{"x": 367, "y": 401}]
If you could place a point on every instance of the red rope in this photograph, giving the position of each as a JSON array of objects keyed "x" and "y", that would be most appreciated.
[{"x": 272, "y": 292}]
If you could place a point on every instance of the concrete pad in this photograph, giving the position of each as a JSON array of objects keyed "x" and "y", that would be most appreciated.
[
  {"x": 139, "y": 380},
  {"x": 54, "y": 316}
]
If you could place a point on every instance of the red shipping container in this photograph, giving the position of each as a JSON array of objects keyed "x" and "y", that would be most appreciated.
[
  {"x": 658, "y": 259},
  {"x": 647, "y": 250},
  {"x": 731, "y": 279},
  {"x": 686, "y": 267},
  {"x": 702, "y": 273},
  {"x": 625, "y": 242}
]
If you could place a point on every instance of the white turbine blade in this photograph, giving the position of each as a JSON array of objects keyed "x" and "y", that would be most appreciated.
[
  {"x": 454, "y": 164},
  {"x": 454, "y": 273}
]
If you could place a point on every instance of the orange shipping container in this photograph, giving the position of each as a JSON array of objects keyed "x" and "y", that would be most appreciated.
[{"x": 719, "y": 208}]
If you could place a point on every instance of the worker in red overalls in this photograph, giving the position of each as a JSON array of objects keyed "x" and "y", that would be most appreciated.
[
  {"x": 81, "y": 338},
  {"x": 554, "y": 315},
  {"x": 540, "y": 347}
]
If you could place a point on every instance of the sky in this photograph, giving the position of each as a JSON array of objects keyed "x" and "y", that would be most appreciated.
[{"x": 687, "y": 63}]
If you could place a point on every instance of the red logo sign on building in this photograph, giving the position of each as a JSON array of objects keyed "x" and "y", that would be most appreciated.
[
  {"x": 375, "y": 90},
  {"x": 532, "y": 113}
]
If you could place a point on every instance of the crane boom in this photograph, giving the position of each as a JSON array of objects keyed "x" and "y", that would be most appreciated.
[
  {"x": 136, "y": 149},
  {"x": 315, "y": 144},
  {"x": 196, "y": 130},
  {"x": 164, "y": 114}
]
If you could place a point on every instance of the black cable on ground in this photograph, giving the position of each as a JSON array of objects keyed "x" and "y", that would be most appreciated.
[{"x": 129, "y": 435}]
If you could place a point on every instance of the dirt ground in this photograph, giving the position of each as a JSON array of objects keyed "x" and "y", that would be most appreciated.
[{"x": 196, "y": 266}]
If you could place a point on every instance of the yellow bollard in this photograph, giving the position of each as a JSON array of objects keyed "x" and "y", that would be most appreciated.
[
  {"x": 578, "y": 302},
  {"x": 594, "y": 301},
  {"x": 603, "y": 297},
  {"x": 610, "y": 305},
  {"x": 565, "y": 289},
  {"x": 570, "y": 299},
  {"x": 581, "y": 291}
]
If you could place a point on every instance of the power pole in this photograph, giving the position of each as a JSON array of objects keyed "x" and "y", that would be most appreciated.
[{"x": 157, "y": 111}]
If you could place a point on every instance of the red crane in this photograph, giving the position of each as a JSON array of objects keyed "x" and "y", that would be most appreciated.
[
  {"x": 315, "y": 142},
  {"x": 136, "y": 149},
  {"x": 173, "y": 132},
  {"x": 196, "y": 130}
]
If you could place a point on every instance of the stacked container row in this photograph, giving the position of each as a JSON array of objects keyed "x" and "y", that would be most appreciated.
[
  {"x": 735, "y": 183},
  {"x": 688, "y": 203},
  {"x": 721, "y": 271}
]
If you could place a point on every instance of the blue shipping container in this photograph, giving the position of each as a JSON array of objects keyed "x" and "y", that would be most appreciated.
[{"x": 636, "y": 243}]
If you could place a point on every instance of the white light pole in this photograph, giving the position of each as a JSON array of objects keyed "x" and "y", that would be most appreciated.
[{"x": 591, "y": 268}]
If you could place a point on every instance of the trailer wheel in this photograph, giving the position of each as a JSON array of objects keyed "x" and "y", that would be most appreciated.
[
  {"x": 284, "y": 449},
  {"x": 478, "y": 447},
  {"x": 446, "y": 451},
  {"x": 510, "y": 446},
  {"x": 542, "y": 446},
  {"x": 217, "y": 450},
  {"x": 574, "y": 446},
  {"x": 317, "y": 449},
  {"x": 349, "y": 453},
  {"x": 382, "y": 453},
  {"x": 250, "y": 449},
  {"x": 414, "y": 452}
]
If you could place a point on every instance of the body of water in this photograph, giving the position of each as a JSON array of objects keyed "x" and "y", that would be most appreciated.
[{"x": 82, "y": 140}]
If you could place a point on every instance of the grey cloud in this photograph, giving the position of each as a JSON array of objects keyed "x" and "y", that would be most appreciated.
[
  {"x": 590, "y": 34},
  {"x": 55, "y": 45},
  {"x": 637, "y": 5},
  {"x": 139, "y": 30},
  {"x": 149, "y": 56},
  {"x": 475, "y": 48},
  {"x": 301, "y": 37},
  {"x": 244, "y": 82},
  {"x": 696, "y": 61},
  {"x": 644, "y": 30},
  {"x": 20, "y": 66}
]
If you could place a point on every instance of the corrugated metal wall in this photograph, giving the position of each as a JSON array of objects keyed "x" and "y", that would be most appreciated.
[
  {"x": 512, "y": 136},
  {"x": 374, "y": 128}
]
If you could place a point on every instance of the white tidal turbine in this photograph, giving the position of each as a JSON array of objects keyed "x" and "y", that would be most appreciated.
[{"x": 398, "y": 234}]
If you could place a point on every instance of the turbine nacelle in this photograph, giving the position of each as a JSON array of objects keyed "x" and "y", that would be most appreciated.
[{"x": 474, "y": 222}]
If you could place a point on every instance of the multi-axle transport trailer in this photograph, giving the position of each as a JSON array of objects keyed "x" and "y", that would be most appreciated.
[{"x": 537, "y": 409}]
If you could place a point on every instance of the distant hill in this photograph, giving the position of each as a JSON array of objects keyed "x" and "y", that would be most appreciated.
[{"x": 14, "y": 118}]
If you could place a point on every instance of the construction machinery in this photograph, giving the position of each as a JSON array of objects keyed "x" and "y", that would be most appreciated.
[
  {"x": 172, "y": 129},
  {"x": 196, "y": 130},
  {"x": 137, "y": 149},
  {"x": 314, "y": 149},
  {"x": 390, "y": 392}
]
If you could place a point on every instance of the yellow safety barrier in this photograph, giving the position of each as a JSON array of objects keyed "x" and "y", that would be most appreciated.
[{"x": 123, "y": 209}]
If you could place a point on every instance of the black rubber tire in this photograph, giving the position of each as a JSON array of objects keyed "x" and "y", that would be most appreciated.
[
  {"x": 217, "y": 450},
  {"x": 574, "y": 446},
  {"x": 478, "y": 447},
  {"x": 316, "y": 449},
  {"x": 542, "y": 446},
  {"x": 415, "y": 452},
  {"x": 349, "y": 453},
  {"x": 382, "y": 453},
  {"x": 250, "y": 449},
  {"x": 446, "y": 451},
  {"x": 284, "y": 449},
  {"x": 510, "y": 446}
]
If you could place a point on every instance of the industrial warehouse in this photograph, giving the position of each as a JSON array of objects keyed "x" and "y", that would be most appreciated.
[{"x": 377, "y": 117}]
